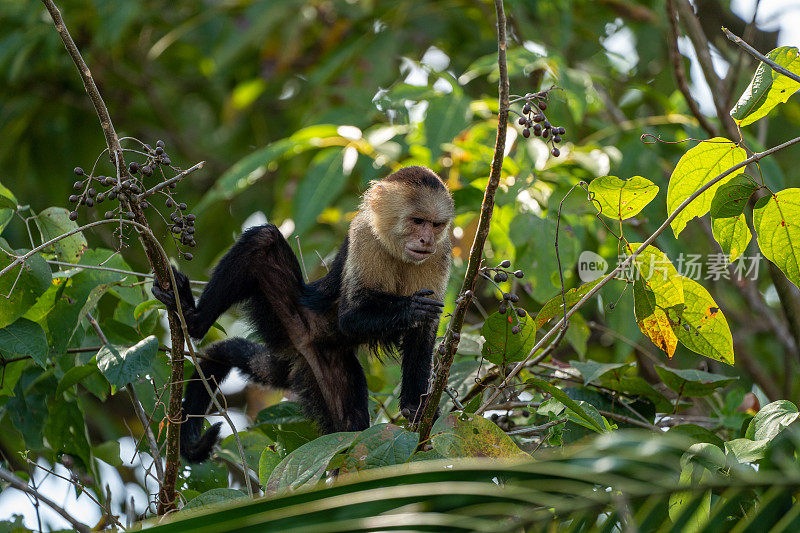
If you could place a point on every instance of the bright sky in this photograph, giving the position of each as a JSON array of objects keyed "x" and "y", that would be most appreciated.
[{"x": 772, "y": 14}]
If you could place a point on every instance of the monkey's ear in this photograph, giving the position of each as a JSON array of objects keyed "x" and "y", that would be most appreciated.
[{"x": 375, "y": 194}]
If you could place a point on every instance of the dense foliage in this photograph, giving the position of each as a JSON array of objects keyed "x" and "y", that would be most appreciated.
[{"x": 293, "y": 107}]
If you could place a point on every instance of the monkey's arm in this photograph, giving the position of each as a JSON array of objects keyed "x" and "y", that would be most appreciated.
[
  {"x": 417, "y": 351},
  {"x": 371, "y": 315}
]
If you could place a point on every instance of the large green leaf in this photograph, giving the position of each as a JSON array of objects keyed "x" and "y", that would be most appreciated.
[
  {"x": 19, "y": 294},
  {"x": 691, "y": 382},
  {"x": 555, "y": 305},
  {"x": 380, "y": 445},
  {"x": 700, "y": 324},
  {"x": 122, "y": 365},
  {"x": 591, "y": 370},
  {"x": 620, "y": 199},
  {"x": 771, "y": 420},
  {"x": 24, "y": 337},
  {"x": 466, "y": 435},
  {"x": 697, "y": 167},
  {"x": 320, "y": 186},
  {"x": 562, "y": 397},
  {"x": 777, "y": 225},
  {"x": 727, "y": 215},
  {"x": 8, "y": 205},
  {"x": 66, "y": 430},
  {"x": 305, "y": 466},
  {"x": 502, "y": 346},
  {"x": 768, "y": 88},
  {"x": 214, "y": 497},
  {"x": 54, "y": 221}
]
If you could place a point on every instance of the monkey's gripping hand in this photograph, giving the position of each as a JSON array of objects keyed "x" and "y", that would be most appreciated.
[
  {"x": 414, "y": 414},
  {"x": 167, "y": 297},
  {"x": 423, "y": 309}
]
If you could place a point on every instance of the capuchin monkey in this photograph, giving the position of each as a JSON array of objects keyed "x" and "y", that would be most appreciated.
[{"x": 384, "y": 289}]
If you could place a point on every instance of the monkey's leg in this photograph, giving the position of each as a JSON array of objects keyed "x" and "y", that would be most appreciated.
[
  {"x": 348, "y": 409},
  {"x": 217, "y": 362},
  {"x": 417, "y": 352},
  {"x": 261, "y": 261}
]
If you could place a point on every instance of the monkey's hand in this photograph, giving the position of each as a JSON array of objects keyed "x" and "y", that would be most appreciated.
[
  {"x": 424, "y": 309},
  {"x": 167, "y": 297}
]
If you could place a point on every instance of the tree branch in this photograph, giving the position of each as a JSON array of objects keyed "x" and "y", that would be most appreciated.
[
  {"x": 453, "y": 334},
  {"x": 758, "y": 55}
]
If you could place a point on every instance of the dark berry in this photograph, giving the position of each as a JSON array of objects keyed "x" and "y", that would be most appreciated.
[
  {"x": 541, "y": 104},
  {"x": 526, "y": 133},
  {"x": 521, "y": 313},
  {"x": 160, "y": 144},
  {"x": 501, "y": 277},
  {"x": 545, "y": 134},
  {"x": 92, "y": 192},
  {"x": 546, "y": 124},
  {"x": 159, "y": 151},
  {"x": 188, "y": 257},
  {"x": 166, "y": 160},
  {"x": 456, "y": 336},
  {"x": 561, "y": 130},
  {"x": 522, "y": 121},
  {"x": 526, "y": 108},
  {"x": 538, "y": 117},
  {"x": 556, "y": 139},
  {"x": 100, "y": 197},
  {"x": 73, "y": 198},
  {"x": 442, "y": 349},
  {"x": 111, "y": 195},
  {"x": 190, "y": 217},
  {"x": 537, "y": 129},
  {"x": 189, "y": 230},
  {"x": 556, "y": 152},
  {"x": 502, "y": 308},
  {"x": 514, "y": 330},
  {"x": 173, "y": 184},
  {"x": 519, "y": 273},
  {"x": 89, "y": 202},
  {"x": 505, "y": 263},
  {"x": 133, "y": 167},
  {"x": 494, "y": 417},
  {"x": 513, "y": 297},
  {"x": 182, "y": 206},
  {"x": 78, "y": 171},
  {"x": 192, "y": 243},
  {"x": 145, "y": 205},
  {"x": 73, "y": 215},
  {"x": 170, "y": 202},
  {"x": 147, "y": 171},
  {"x": 525, "y": 413},
  {"x": 78, "y": 185},
  {"x": 130, "y": 215},
  {"x": 506, "y": 295},
  {"x": 175, "y": 229},
  {"x": 109, "y": 214}
]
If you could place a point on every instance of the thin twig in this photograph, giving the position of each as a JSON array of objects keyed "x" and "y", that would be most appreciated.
[
  {"x": 758, "y": 55},
  {"x": 19, "y": 484},
  {"x": 175, "y": 179},
  {"x": 536, "y": 429},
  {"x": 620, "y": 268},
  {"x": 116, "y": 270}
]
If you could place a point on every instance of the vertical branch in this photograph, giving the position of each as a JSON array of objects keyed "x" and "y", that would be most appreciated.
[
  {"x": 450, "y": 342},
  {"x": 158, "y": 263}
]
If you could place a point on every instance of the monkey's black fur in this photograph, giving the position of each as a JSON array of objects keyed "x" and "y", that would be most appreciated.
[{"x": 302, "y": 326}]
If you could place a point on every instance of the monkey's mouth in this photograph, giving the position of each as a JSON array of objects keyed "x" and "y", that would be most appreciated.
[{"x": 418, "y": 255}]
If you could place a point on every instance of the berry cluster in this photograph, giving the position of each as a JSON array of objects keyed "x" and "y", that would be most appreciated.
[
  {"x": 94, "y": 189},
  {"x": 505, "y": 422},
  {"x": 534, "y": 119},
  {"x": 501, "y": 274}
]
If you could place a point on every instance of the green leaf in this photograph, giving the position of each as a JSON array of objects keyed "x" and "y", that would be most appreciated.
[
  {"x": 203, "y": 477},
  {"x": 108, "y": 452},
  {"x": 776, "y": 224},
  {"x": 54, "y": 221},
  {"x": 380, "y": 445},
  {"x": 659, "y": 275},
  {"x": 322, "y": 184},
  {"x": 502, "y": 346},
  {"x": 555, "y": 305},
  {"x": 281, "y": 413},
  {"x": 562, "y": 397},
  {"x": 213, "y": 498},
  {"x": 445, "y": 118},
  {"x": 25, "y": 337},
  {"x": 697, "y": 167},
  {"x": 286, "y": 424},
  {"x": 591, "y": 370},
  {"x": 768, "y": 88},
  {"x": 20, "y": 294},
  {"x": 464, "y": 435},
  {"x": 747, "y": 450},
  {"x": 771, "y": 420},
  {"x": 65, "y": 430},
  {"x": 700, "y": 325},
  {"x": 727, "y": 218},
  {"x": 122, "y": 365},
  {"x": 267, "y": 462},
  {"x": 75, "y": 375},
  {"x": 691, "y": 383},
  {"x": 620, "y": 199},
  {"x": 305, "y": 466},
  {"x": 8, "y": 205},
  {"x": 253, "y": 444},
  {"x": 696, "y": 434}
]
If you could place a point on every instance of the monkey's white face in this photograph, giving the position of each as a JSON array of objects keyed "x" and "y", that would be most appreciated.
[{"x": 421, "y": 237}]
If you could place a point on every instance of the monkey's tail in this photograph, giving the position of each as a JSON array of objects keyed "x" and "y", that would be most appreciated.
[{"x": 217, "y": 363}]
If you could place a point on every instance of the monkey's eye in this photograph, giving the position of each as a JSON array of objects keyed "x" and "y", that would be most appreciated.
[
  {"x": 418, "y": 221},
  {"x": 438, "y": 224}
]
